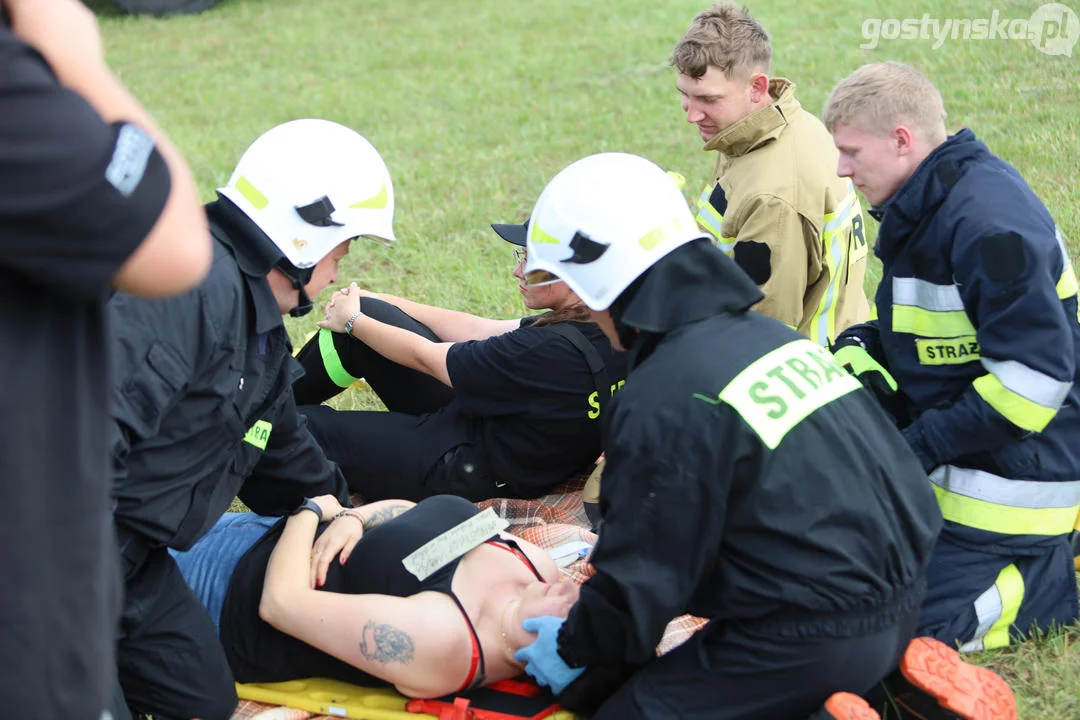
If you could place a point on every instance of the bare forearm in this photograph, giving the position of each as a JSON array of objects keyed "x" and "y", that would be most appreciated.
[
  {"x": 403, "y": 347},
  {"x": 377, "y": 513},
  {"x": 176, "y": 254},
  {"x": 289, "y": 568},
  {"x": 450, "y": 325}
]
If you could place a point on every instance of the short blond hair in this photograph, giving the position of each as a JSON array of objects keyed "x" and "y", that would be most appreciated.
[
  {"x": 724, "y": 37},
  {"x": 878, "y": 97}
]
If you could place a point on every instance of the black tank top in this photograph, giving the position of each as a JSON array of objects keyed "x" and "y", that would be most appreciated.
[{"x": 257, "y": 652}]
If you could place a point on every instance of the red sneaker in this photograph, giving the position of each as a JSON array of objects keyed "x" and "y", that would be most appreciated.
[
  {"x": 846, "y": 706},
  {"x": 967, "y": 692}
]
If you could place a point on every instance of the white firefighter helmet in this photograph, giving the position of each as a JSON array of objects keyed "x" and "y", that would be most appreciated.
[
  {"x": 602, "y": 222},
  {"x": 310, "y": 185}
]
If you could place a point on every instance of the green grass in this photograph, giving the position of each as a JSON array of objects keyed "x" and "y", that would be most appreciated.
[{"x": 475, "y": 104}]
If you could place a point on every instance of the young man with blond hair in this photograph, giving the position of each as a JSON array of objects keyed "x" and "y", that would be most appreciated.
[
  {"x": 978, "y": 324},
  {"x": 774, "y": 203}
]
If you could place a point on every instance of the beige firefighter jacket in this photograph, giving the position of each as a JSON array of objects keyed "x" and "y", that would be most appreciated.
[{"x": 777, "y": 206}]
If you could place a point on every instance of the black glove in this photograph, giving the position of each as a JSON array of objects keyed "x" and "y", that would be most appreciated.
[{"x": 851, "y": 352}]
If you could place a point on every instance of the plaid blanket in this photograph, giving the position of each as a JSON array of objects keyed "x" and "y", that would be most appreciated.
[{"x": 548, "y": 522}]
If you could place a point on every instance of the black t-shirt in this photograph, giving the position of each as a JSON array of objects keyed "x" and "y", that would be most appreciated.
[
  {"x": 77, "y": 196},
  {"x": 258, "y": 652},
  {"x": 533, "y": 401}
]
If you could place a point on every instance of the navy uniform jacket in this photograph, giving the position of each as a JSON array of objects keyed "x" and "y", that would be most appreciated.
[
  {"x": 202, "y": 402},
  {"x": 978, "y": 323},
  {"x": 740, "y": 485}
]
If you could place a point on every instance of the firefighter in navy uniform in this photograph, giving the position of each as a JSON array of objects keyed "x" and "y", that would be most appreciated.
[
  {"x": 93, "y": 197},
  {"x": 978, "y": 325},
  {"x": 748, "y": 480},
  {"x": 203, "y": 405}
]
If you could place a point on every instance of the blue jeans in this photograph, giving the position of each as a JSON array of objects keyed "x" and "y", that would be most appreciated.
[{"x": 208, "y": 566}]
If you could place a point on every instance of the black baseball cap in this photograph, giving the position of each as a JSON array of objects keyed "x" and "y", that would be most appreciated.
[{"x": 515, "y": 234}]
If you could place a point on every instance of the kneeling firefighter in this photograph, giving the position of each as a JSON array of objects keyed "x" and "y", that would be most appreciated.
[{"x": 749, "y": 479}]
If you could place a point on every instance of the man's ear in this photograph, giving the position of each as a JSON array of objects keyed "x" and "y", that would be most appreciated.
[
  {"x": 759, "y": 87},
  {"x": 903, "y": 140}
]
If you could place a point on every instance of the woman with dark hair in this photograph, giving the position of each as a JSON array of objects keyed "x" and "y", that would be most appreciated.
[
  {"x": 479, "y": 408},
  {"x": 428, "y": 597}
]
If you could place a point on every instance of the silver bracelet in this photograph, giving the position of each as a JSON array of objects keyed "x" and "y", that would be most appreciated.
[{"x": 350, "y": 321}]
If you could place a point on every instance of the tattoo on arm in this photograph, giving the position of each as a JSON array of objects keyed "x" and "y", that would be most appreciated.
[
  {"x": 383, "y": 515},
  {"x": 386, "y": 644}
]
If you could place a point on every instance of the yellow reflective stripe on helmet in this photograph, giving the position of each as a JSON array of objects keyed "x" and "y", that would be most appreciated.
[
  {"x": 376, "y": 202},
  {"x": 672, "y": 227},
  {"x": 996, "y": 610},
  {"x": 777, "y": 391},
  {"x": 978, "y": 499},
  {"x": 259, "y": 434},
  {"x": 539, "y": 236},
  {"x": 1014, "y": 407},
  {"x": 331, "y": 362},
  {"x": 250, "y": 193}
]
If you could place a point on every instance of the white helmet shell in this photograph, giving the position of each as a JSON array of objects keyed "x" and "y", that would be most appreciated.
[
  {"x": 324, "y": 170},
  {"x": 602, "y": 222}
]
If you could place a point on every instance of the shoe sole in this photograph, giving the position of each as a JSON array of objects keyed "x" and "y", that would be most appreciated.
[
  {"x": 970, "y": 691},
  {"x": 846, "y": 706}
]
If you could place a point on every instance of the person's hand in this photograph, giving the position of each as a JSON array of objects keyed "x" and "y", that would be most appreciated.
[
  {"x": 65, "y": 32},
  {"x": 338, "y": 540},
  {"x": 542, "y": 659},
  {"x": 343, "y": 305}
]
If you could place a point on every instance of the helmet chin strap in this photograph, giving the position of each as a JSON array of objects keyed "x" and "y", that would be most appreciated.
[
  {"x": 305, "y": 305},
  {"x": 299, "y": 279}
]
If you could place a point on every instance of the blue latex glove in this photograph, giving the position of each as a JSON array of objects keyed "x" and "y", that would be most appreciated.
[{"x": 542, "y": 659}]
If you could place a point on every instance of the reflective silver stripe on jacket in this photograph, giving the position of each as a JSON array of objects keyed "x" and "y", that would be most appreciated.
[
  {"x": 988, "y": 487},
  {"x": 926, "y": 295},
  {"x": 1033, "y": 385}
]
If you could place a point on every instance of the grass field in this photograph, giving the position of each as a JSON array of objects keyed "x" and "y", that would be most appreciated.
[{"x": 475, "y": 104}]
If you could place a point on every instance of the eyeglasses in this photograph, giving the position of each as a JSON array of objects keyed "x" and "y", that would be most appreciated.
[{"x": 534, "y": 277}]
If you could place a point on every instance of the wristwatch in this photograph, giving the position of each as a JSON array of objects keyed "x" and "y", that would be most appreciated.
[
  {"x": 311, "y": 505},
  {"x": 350, "y": 321}
]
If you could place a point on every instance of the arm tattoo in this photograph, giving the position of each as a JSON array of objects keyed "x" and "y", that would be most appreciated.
[
  {"x": 386, "y": 644},
  {"x": 383, "y": 515}
]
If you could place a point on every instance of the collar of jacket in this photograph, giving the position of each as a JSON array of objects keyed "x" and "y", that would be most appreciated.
[
  {"x": 255, "y": 255},
  {"x": 692, "y": 282},
  {"x": 926, "y": 189},
  {"x": 760, "y": 126}
]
